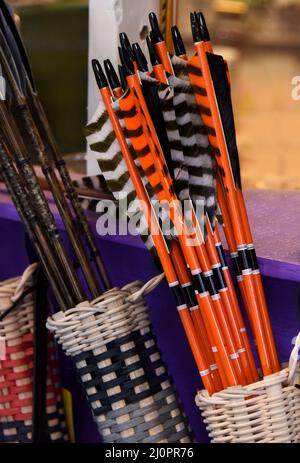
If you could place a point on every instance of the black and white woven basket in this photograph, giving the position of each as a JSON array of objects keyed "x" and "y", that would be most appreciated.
[{"x": 120, "y": 367}]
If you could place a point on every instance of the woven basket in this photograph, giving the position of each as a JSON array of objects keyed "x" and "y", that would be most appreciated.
[
  {"x": 16, "y": 368},
  {"x": 120, "y": 367},
  {"x": 267, "y": 411}
]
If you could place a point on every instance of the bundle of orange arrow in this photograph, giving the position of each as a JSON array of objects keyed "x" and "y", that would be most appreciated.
[{"x": 175, "y": 130}]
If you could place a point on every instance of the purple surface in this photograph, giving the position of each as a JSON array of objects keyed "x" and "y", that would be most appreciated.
[
  {"x": 275, "y": 224},
  {"x": 128, "y": 260}
]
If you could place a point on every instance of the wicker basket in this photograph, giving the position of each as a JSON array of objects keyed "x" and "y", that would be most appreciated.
[
  {"x": 120, "y": 367},
  {"x": 16, "y": 368},
  {"x": 264, "y": 412}
]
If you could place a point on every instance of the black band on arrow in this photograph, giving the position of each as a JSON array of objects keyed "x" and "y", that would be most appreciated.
[
  {"x": 211, "y": 285},
  {"x": 219, "y": 278},
  {"x": 221, "y": 254},
  {"x": 236, "y": 266},
  {"x": 243, "y": 259},
  {"x": 253, "y": 259},
  {"x": 199, "y": 283},
  {"x": 191, "y": 299},
  {"x": 178, "y": 294}
]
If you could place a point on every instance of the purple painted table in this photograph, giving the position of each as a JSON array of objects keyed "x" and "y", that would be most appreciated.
[{"x": 278, "y": 247}]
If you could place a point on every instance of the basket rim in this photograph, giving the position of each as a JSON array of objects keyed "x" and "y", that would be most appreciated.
[{"x": 238, "y": 393}]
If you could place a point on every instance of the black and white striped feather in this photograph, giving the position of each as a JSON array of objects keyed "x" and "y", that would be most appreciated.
[
  {"x": 93, "y": 183},
  {"x": 198, "y": 155},
  {"x": 103, "y": 142},
  {"x": 163, "y": 114}
]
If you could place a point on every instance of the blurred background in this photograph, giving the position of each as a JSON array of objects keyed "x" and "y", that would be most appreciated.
[
  {"x": 55, "y": 33},
  {"x": 259, "y": 38}
]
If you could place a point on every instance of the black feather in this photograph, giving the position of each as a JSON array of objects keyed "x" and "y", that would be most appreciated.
[
  {"x": 222, "y": 90},
  {"x": 150, "y": 92}
]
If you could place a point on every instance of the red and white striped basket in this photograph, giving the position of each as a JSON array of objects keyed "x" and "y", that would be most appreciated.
[{"x": 16, "y": 368}]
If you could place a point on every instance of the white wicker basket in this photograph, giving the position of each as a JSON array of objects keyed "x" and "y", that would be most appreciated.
[{"x": 267, "y": 411}]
